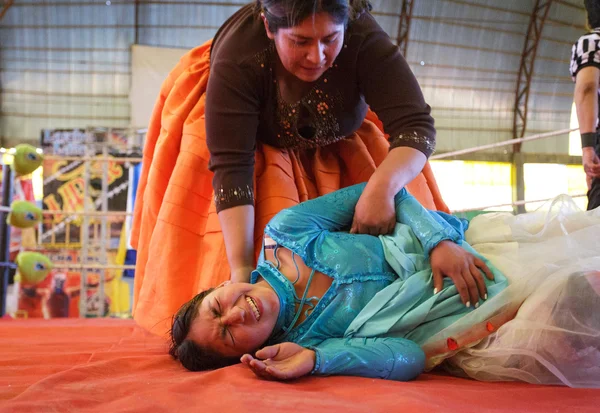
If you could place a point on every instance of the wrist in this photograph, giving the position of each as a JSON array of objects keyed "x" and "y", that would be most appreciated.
[
  {"x": 441, "y": 243},
  {"x": 588, "y": 140},
  {"x": 588, "y": 150},
  {"x": 316, "y": 359},
  {"x": 380, "y": 184}
]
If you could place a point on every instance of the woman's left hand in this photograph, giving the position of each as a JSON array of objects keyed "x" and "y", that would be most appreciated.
[
  {"x": 450, "y": 260},
  {"x": 283, "y": 361},
  {"x": 375, "y": 213}
]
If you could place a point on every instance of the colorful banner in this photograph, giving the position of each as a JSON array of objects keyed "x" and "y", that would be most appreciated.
[
  {"x": 64, "y": 185},
  {"x": 59, "y": 294}
]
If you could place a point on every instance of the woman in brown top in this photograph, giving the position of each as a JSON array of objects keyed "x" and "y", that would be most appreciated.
[{"x": 284, "y": 116}]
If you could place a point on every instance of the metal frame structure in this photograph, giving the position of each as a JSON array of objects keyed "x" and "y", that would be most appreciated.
[
  {"x": 404, "y": 24},
  {"x": 526, "y": 68},
  {"x": 537, "y": 20},
  {"x": 5, "y": 8}
]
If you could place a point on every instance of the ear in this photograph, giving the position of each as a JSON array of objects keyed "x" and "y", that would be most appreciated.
[{"x": 266, "y": 23}]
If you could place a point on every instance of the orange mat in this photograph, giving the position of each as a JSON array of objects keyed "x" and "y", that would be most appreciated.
[{"x": 114, "y": 366}]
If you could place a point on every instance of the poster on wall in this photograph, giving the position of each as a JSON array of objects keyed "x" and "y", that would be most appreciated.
[
  {"x": 59, "y": 294},
  {"x": 64, "y": 186}
]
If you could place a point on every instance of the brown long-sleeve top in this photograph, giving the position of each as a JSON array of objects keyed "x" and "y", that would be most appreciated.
[{"x": 243, "y": 103}]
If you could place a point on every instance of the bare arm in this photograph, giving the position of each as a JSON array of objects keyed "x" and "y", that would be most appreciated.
[
  {"x": 237, "y": 224},
  {"x": 399, "y": 168},
  {"x": 586, "y": 98}
]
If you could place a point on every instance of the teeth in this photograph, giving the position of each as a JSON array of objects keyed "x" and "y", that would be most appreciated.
[{"x": 254, "y": 307}]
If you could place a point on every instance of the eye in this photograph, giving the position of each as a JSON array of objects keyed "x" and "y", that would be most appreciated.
[
  {"x": 39, "y": 266},
  {"x": 300, "y": 42},
  {"x": 225, "y": 331},
  {"x": 31, "y": 156},
  {"x": 30, "y": 216}
]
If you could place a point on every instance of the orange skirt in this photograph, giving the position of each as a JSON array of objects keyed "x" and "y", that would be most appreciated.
[{"x": 176, "y": 231}]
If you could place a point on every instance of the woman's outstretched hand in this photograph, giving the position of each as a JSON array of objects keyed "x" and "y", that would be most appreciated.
[
  {"x": 283, "y": 361},
  {"x": 450, "y": 260}
]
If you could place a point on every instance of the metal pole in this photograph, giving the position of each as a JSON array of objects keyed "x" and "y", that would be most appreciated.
[
  {"x": 7, "y": 189},
  {"x": 103, "y": 231},
  {"x": 85, "y": 228},
  {"x": 136, "y": 22},
  {"x": 406, "y": 13}
]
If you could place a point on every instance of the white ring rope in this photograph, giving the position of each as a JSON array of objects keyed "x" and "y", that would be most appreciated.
[
  {"x": 78, "y": 213},
  {"x": 61, "y": 171},
  {"x": 500, "y": 144},
  {"x": 116, "y": 159},
  {"x": 518, "y": 203},
  {"x": 73, "y": 215},
  {"x": 92, "y": 267}
]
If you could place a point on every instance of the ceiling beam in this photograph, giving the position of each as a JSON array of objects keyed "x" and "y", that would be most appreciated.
[
  {"x": 5, "y": 8},
  {"x": 527, "y": 66},
  {"x": 404, "y": 25}
]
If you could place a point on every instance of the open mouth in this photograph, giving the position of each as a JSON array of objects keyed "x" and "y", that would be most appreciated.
[{"x": 254, "y": 307}]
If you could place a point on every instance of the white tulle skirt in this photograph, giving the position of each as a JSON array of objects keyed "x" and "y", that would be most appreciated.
[{"x": 552, "y": 260}]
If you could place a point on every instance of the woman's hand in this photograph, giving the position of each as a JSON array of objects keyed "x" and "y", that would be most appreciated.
[
  {"x": 283, "y": 361},
  {"x": 591, "y": 164},
  {"x": 375, "y": 213},
  {"x": 450, "y": 260}
]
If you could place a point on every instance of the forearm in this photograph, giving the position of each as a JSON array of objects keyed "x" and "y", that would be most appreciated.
[
  {"x": 398, "y": 169},
  {"x": 384, "y": 358},
  {"x": 237, "y": 224}
]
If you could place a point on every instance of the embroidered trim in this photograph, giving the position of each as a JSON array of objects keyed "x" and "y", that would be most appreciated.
[
  {"x": 317, "y": 106},
  {"x": 225, "y": 196},
  {"x": 420, "y": 140}
]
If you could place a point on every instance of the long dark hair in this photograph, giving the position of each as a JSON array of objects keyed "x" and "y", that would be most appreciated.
[
  {"x": 192, "y": 356},
  {"x": 281, "y": 14},
  {"x": 593, "y": 13}
]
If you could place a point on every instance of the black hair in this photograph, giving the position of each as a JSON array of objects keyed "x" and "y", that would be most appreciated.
[
  {"x": 281, "y": 14},
  {"x": 593, "y": 13},
  {"x": 191, "y": 355}
]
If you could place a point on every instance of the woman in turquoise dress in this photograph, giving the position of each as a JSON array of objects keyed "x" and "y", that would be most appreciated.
[{"x": 327, "y": 302}]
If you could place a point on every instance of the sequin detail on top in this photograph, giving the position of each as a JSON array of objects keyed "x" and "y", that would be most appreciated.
[
  {"x": 414, "y": 138},
  {"x": 225, "y": 196},
  {"x": 309, "y": 123}
]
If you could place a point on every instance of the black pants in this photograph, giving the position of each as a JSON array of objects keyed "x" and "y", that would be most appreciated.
[{"x": 594, "y": 193}]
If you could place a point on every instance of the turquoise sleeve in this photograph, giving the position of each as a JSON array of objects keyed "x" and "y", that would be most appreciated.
[
  {"x": 429, "y": 227},
  {"x": 332, "y": 212},
  {"x": 384, "y": 358}
]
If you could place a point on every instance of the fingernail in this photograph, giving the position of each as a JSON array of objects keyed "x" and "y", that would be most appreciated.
[
  {"x": 435, "y": 291},
  {"x": 477, "y": 305},
  {"x": 468, "y": 304},
  {"x": 485, "y": 297}
]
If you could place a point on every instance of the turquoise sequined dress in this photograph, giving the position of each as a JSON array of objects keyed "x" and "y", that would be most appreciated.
[{"x": 380, "y": 305}]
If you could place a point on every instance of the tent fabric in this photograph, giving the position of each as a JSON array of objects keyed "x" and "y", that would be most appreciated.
[{"x": 111, "y": 365}]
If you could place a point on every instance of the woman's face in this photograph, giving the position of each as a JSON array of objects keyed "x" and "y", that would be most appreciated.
[
  {"x": 236, "y": 318},
  {"x": 310, "y": 48}
]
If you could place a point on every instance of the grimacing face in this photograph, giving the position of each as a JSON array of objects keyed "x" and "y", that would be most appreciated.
[
  {"x": 308, "y": 49},
  {"x": 236, "y": 318}
]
